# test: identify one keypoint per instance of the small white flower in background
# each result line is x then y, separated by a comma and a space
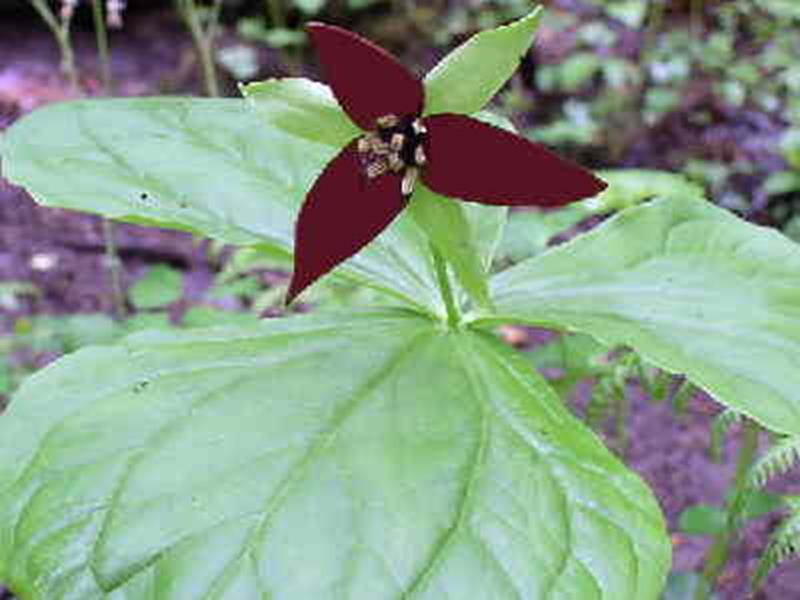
68, 9
114, 10
43, 261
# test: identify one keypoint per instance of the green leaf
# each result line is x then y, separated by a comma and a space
575, 357
80, 330
367, 456
528, 232
146, 321
782, 182
310, 7
6, 379
760, 503
207, 316
703, 519
207, 166
691, 287
467, 78
630, 12
629, 187
254, 29
303, 108
160, 286
578, 70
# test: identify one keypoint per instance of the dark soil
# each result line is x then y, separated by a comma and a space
152, 55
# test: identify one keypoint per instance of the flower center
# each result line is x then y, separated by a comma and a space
395, 146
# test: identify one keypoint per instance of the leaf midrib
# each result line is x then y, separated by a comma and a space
297, 471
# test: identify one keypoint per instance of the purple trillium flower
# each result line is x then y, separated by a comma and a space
363, 189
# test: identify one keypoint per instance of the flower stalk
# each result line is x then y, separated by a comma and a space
440, 266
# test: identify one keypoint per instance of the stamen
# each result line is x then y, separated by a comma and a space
397, 142
394, 147
379, 147
376, 169
419, 156
409, 179
396, 163
387, 121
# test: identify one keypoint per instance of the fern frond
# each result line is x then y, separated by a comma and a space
719, 429
781, 457
783, 544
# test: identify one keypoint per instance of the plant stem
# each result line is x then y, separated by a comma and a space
717, 555
61, 32
101, 35
203, 40
277, 19
696, 24
440, 266
109, 240
114, 272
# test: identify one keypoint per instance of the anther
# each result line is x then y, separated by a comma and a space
409, 179
419, 156
378, 146
397, 141
387, 121
396, 163
376, 169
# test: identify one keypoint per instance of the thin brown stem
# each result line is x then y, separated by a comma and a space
61, 33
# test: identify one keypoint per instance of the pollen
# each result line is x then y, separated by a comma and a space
395, 146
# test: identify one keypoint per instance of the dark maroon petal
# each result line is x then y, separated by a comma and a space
474, 161
342, 213
368, 81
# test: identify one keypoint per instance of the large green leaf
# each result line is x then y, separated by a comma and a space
688, 285
467, 78
208, 166
367, 456
628, 187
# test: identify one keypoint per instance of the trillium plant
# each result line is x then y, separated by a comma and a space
369, 182
395, 448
